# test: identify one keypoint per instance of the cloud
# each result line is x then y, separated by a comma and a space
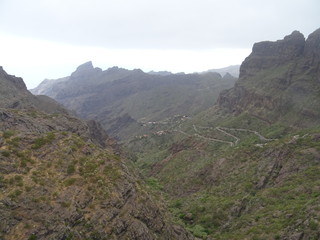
174, 24
49, 38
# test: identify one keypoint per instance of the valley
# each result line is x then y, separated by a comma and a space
187, 156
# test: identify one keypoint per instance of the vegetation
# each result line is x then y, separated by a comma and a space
7, 133
41, 141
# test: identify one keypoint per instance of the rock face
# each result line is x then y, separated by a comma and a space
279, 80
61, 179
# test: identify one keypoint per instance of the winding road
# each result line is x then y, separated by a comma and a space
224, 130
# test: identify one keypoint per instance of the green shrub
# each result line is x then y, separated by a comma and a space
41, 141
314, 225
5, 153
70, 181
111, 172
71, 169
65, 204
154, 183
15, 193
8, 133
14, 141
177, 204
38, 143
32, 237
198, 231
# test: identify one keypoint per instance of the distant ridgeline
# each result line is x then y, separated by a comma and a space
120, 99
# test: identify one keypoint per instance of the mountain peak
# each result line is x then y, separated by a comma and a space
269, 54
16, 81
85, 69
312, 49
291, 46
85, 66
294, 36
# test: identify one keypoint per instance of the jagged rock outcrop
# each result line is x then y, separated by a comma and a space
279, 80
61, 179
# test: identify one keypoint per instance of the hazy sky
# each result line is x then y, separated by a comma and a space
50, 38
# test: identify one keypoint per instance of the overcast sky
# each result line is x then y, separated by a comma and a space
50, 38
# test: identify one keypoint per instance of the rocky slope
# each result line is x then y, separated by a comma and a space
116, 95
61, 179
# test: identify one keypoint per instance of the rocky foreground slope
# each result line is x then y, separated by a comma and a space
61, 179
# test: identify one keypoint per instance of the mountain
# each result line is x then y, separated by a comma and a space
248, 167
121, 99
279, 82
63, 178
14, 94
245, 166
233, 70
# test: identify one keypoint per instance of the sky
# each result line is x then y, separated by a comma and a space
49, 38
